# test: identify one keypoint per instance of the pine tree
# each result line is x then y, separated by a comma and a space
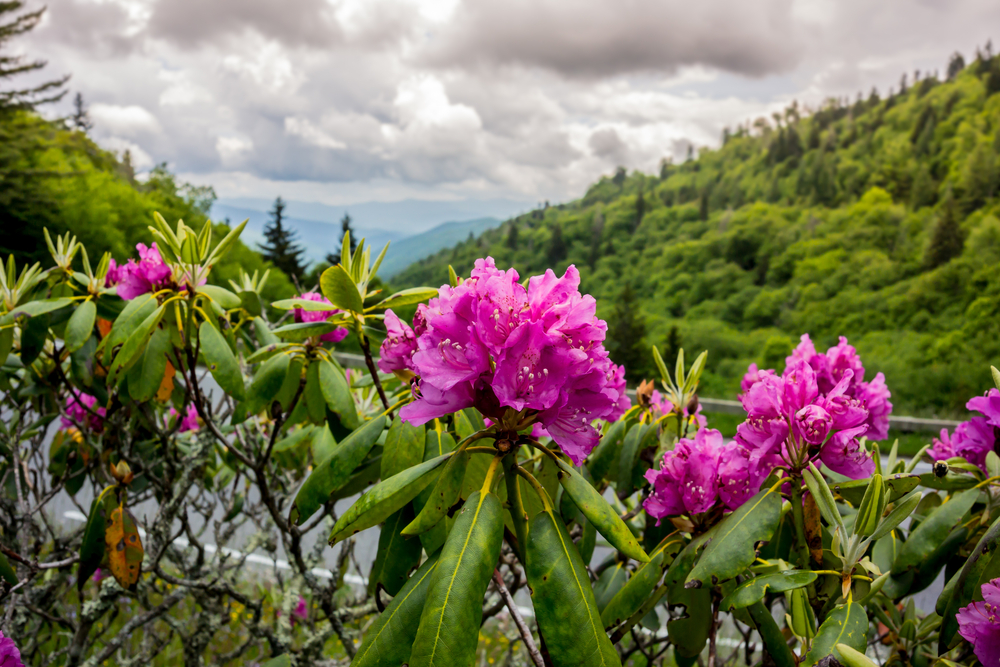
619, 177
280, 247
80, 120
626, 335
947, 239
11, 65
557, 246
333, 258
640, 209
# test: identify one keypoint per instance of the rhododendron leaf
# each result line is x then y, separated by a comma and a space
693, 376
406, 297
268, 351
80, 326
599, 512
932, 531
396, 555
642, 584
331, 474
333, 384
603, 461
267, 383
281, 661
133, 347
899, 513
931, 566
847, 624
123, 547
390, 638
689, 629
221, 361
7, 573
92, 548
250, 302
340, 289
754, 590
774, 641
403, 449
820, 491
964, 586
952, 481
638, 437
220, 295
443, 495
898, 486
35, 308
315, 402
561, 595
290, 384
852, 657
304, 304
449, 625
732, 549
303, 330
263, 331
609, 583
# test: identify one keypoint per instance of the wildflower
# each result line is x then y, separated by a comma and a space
686, 482
190, 420
149, 274
974, 438
114, 275
301, 611
989, 405
521, 356
301, 315
9, 655
979, 625
80, 410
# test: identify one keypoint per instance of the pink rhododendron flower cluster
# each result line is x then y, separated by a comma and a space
688, 479
335, 336
115, 274
190, 420
83, 412
9, 655
979, 624
149, 274
972, 439
520, 356
659, 405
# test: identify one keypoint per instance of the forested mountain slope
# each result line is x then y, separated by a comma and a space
875, 219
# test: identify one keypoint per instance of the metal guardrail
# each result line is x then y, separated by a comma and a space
728, 407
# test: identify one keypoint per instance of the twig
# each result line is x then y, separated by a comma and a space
367, 349
522, 627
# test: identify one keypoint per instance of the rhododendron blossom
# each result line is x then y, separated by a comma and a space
80, 411
149, 274
190, 420
521, 356
659, 405
301, 315
687, 481
974, 438
979, 624
9, 655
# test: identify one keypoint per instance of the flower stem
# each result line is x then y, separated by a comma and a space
798, 518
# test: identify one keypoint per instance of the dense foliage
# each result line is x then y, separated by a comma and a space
877, 217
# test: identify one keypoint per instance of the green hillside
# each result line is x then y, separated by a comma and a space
875, 219
56, 177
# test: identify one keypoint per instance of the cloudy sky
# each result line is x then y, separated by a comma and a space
340, 101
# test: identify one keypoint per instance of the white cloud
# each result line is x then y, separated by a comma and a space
128, 120
302, 127
232, 150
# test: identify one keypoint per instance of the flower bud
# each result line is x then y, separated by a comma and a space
803, 620
871, 509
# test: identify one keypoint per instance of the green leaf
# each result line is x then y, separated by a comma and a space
754, 590
847, 624
302, 330
220, 295
396, 555
333, 384
899, 513
634, 441
689, 633
267, 383
340, 289
774, 642
821, 493
35, 308
404, 447
603, 461
443, 496
264, 335
926, 537
303, 304
731, 550
449, 625
953, 481
134, 346
268, 351
853, 658
7, 573
383, 499
281, 661
151, 368
609, 584
642, 584
290, 388
92, 549
315, 401
564, 603
406, 297
80, 326
965, 586
133, 314
331, 474
221, 361
250, 302
899, 485
599, 512
389, 640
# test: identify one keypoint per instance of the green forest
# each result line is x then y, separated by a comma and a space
876, 219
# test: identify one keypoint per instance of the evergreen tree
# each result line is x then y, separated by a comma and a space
947, 239
924, 191
619, 177
280, 247
512, 235
557, 246
703, 205
13, 25
333, 258
640, 209
626, 335
80, 120
597, 233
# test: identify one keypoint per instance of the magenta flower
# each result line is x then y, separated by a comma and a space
812, 423
742, 471
114, 275
753, 376
974, 438
661, 406
83, 412
301, 611
398, 347
978, 624
844, 454
522, 357
989, 405
9, 655
686, 482
149, 274
189, 421
335, 336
